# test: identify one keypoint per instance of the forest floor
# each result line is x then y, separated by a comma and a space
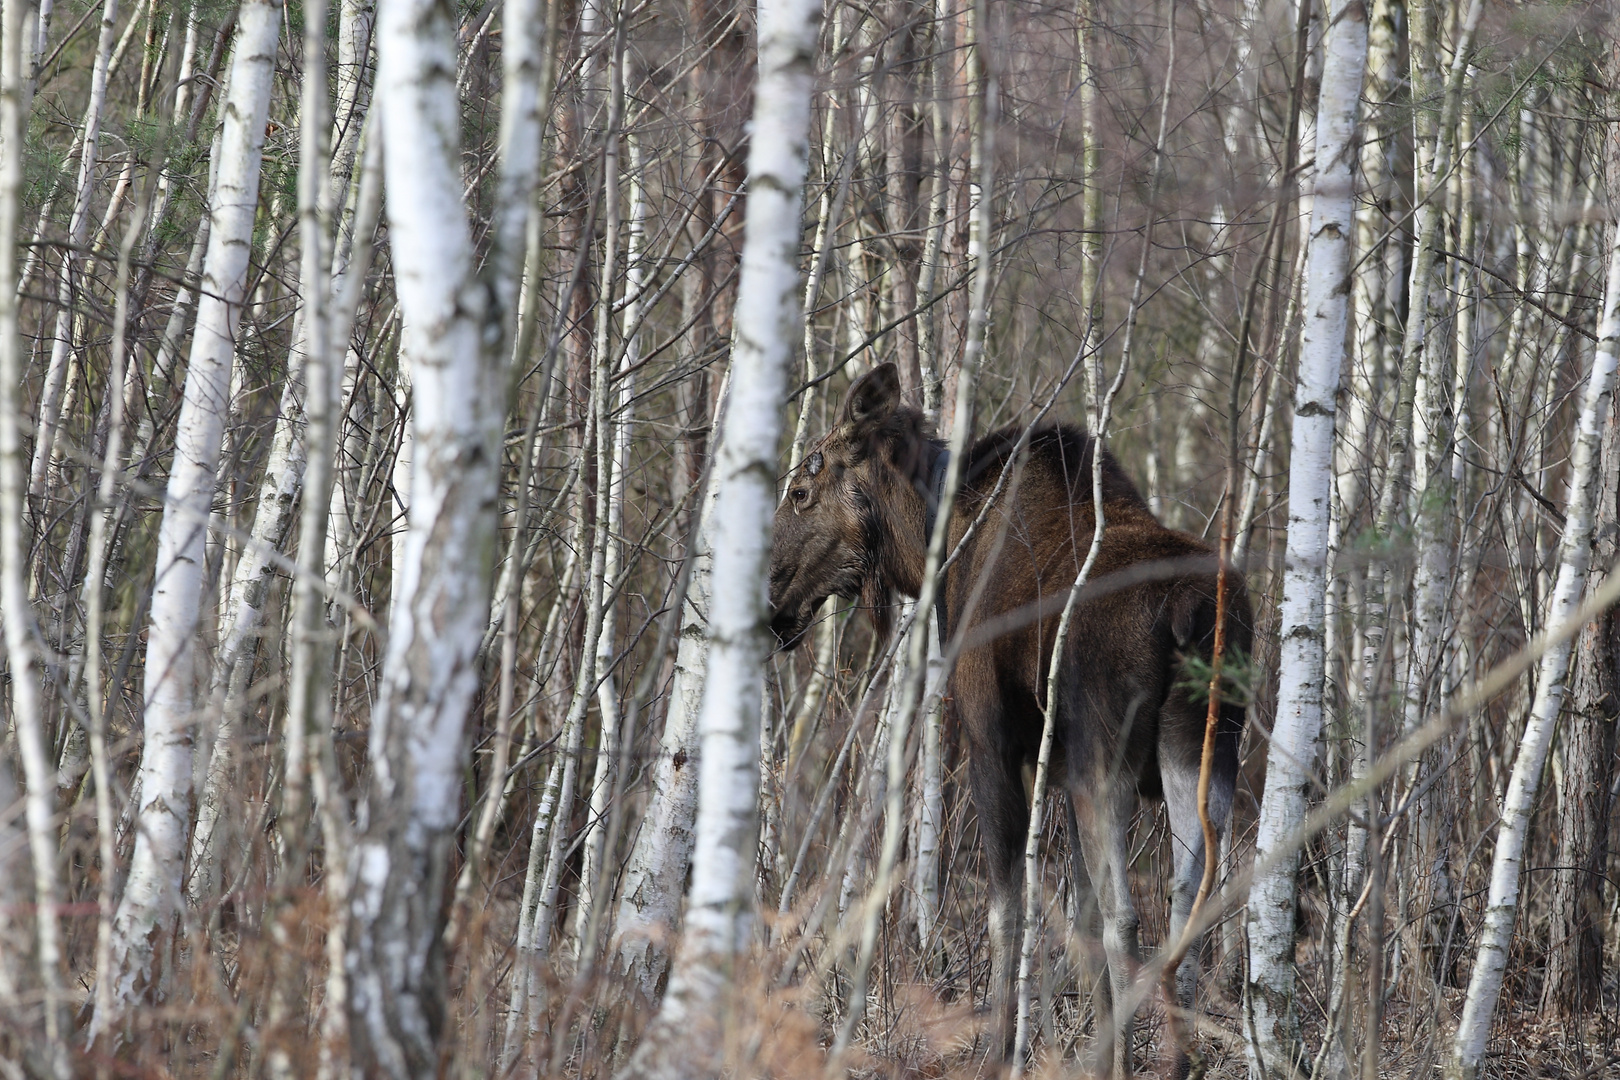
930, 1038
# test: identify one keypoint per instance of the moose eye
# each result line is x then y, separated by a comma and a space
800, 496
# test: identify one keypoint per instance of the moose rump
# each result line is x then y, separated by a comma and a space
1130, 718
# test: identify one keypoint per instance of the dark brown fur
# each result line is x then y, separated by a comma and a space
1126, 725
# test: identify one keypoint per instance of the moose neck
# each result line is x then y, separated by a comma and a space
909, 522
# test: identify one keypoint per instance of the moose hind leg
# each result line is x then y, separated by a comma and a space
1104, 811
1187, 843
998, 795
1091, 969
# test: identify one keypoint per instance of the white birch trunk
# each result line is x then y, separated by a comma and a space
242, 613
165, 769
524, 974
1575, 552
309, 689
535, 911
597, 840
655, 875
940, 76
441, 594
399, 473
42, 30
50, 402
357, 18
1273, 1025
92, 595
605, 553
22, 660
104, 530
13, 895
243, 621
457, 335
682, 1039
348, 287
828, 210
174, 329
526, 84
1431, 416
930, 800
536, 944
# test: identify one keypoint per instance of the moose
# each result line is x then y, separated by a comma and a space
1130, 723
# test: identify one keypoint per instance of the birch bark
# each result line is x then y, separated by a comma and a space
537, 942
23, 667
326, 783
1586, 753
283, 482
526, 60
93, 598
939, 71
356, 20
457, 334
1425, 354
598, 844
1432, 417
1575, 968
50, 402
682, 1038
437, 617
1374, 275
165, 770
309, 701
537, 910
13, 895
655, 876
1575, 552
605, 552
1273, 1026
930, 826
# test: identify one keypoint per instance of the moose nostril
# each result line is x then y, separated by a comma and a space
788, 627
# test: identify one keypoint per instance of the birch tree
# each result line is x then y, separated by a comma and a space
50, 404
457, 334
609, 493
718, 910
1574, 556
655, 874
1274, 1026
24, 669
165, 770
1586, 748
283, 480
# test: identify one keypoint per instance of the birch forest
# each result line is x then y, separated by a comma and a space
400, 401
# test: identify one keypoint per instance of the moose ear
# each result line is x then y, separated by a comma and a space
873, 396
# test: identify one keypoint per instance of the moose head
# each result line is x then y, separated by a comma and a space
852, 521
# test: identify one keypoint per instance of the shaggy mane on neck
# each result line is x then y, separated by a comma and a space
1063, 449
